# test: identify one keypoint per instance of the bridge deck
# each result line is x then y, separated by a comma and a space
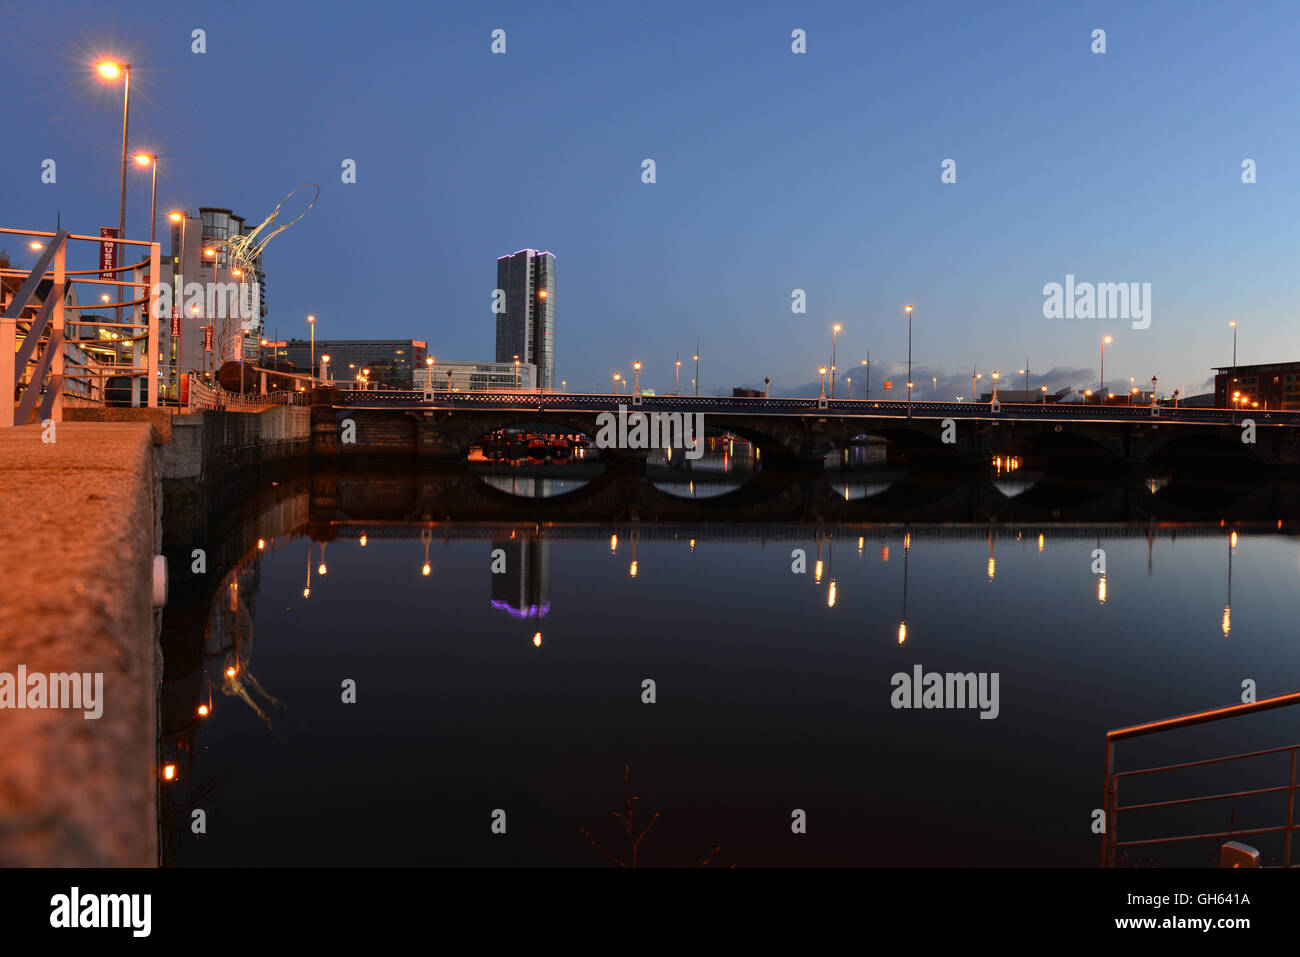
840, 408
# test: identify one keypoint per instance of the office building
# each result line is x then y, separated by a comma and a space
526, 322
234, 305
1274, 385
478, 376
391, 362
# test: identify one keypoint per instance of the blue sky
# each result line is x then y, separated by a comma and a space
775, 171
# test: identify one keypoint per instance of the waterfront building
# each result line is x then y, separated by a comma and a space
1273, 385
391, 362
526, 322
478, 376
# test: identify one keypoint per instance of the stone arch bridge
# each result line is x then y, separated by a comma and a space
801, 432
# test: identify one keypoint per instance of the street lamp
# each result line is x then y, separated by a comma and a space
150, 159
636, 368
677, 383
696, 380
324, 369
1234, 355
617, 387
516, 372
974, 389
1101, 389
823, 375
995, 386
935, 380
111, 70
909, 360
835, 339
311, 322
866, 393
1044, 391
428, 361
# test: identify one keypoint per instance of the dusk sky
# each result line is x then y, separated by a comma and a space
775, 172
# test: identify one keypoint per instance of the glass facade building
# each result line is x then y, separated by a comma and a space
479, 376
391, 361
526, 324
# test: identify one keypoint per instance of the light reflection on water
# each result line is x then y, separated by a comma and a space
522, 688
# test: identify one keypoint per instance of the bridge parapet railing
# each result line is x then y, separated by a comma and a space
206, 397
866, 408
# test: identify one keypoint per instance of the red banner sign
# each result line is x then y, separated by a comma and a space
176, 325
207, 338
107, 252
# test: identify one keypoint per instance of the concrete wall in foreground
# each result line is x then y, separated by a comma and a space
85, 515
76, 550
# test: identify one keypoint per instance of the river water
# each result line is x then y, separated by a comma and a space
500, 630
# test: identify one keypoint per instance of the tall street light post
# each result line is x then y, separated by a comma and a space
677, 383
835, 341
909, 360
822, 371
636, 368
311, 322
178, 305
1234, 356
1101, 390
111, 71
696, 380
149, 159
867, 362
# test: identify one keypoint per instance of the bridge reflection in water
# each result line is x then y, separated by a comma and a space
521, 688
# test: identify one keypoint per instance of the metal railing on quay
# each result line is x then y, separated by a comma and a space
1110, 840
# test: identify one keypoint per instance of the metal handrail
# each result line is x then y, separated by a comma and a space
1112, 808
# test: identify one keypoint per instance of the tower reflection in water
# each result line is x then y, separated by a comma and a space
522, 588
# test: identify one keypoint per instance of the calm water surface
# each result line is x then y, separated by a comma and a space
522, 691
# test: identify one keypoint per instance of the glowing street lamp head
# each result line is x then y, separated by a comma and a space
636, 366
311, 318
822, 370
907, 309
174, 216
837, 327
1233, 323
209, 253
1106, 341
35, 245
143, 159
108, 70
